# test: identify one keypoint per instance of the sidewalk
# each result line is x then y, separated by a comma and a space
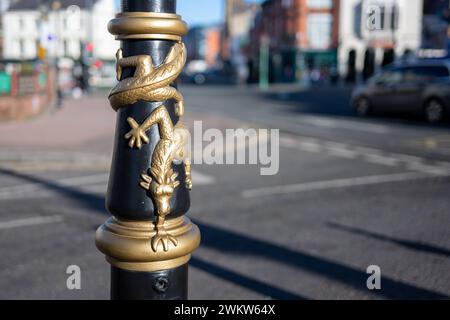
78, 136
77, 123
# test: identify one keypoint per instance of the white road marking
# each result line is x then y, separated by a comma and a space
200, 179
29, 222
420, 167
381, 159
340, 150
40, 156
310, 145
345, 124
444, 164
366, 150
407, 158
37, 190
235, 145
288, 142
332, 184
370, 155
54, 161
84, 180
93, 183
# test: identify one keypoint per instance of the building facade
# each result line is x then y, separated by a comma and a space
204, 43
236, 49
302, 36
373, 33
4, 5
63, 28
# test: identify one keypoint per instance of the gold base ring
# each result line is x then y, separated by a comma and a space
127, 244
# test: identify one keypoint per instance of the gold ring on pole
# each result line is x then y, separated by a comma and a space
148, 25
126, 244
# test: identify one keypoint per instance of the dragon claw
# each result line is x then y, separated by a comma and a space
165, 239
189, 184
146, 180
136, 135
174, 176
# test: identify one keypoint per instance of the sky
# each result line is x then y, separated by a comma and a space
196, 12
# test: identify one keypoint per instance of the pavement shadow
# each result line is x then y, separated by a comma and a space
235, 243
231, 242
86, 200
332, 101
335, 102
97, 204
244, 281
413, 245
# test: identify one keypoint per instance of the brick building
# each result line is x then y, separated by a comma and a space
204, 43
303, 35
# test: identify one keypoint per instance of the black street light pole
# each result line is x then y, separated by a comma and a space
148, 240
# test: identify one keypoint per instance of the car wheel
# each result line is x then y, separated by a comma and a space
434, 111
362, 107
199, 79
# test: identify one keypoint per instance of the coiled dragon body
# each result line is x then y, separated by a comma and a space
153, 84
149, 83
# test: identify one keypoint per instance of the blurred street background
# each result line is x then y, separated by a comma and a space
359, 89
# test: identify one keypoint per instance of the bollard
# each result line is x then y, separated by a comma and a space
148, 240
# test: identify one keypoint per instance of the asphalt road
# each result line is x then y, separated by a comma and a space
350, 193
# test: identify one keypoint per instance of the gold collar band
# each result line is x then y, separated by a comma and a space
148, 25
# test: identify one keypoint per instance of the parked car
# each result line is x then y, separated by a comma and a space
421, 88
209, 77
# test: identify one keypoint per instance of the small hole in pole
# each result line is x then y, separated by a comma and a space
161, 284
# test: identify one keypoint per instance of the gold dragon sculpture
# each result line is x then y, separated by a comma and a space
150, 83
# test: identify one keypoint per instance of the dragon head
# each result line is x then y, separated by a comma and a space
162, 195
162, 187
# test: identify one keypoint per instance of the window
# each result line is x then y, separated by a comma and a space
22, 47
21, 23
287, 3
391, 76
66, 48
425, 73
320, 4
434, 71
319, 30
